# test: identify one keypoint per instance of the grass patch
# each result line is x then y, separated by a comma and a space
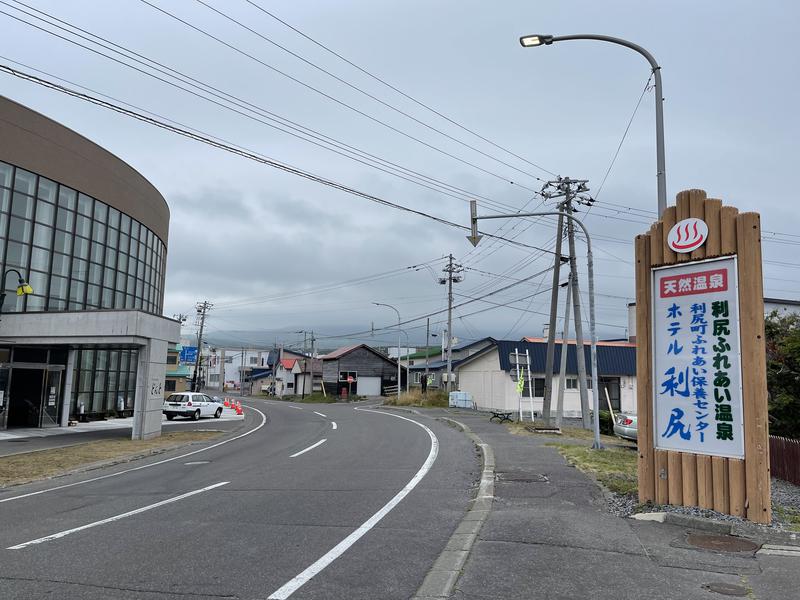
315, 398
790, 516
615, 469
415, 398
571, 433
31, 466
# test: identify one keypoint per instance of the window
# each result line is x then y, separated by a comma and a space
417, 377
253, 360
172, 359
347, 376
169, 385
213, 378
572, 383
289, 385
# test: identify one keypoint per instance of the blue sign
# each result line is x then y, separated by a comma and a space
189, 354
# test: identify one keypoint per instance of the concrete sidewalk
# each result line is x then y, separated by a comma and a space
549, 535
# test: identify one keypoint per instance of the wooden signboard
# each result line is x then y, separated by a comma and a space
700, 360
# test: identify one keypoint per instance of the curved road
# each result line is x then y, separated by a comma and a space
272, 512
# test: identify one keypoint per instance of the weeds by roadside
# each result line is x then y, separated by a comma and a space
614, 468
415, 398
30, 466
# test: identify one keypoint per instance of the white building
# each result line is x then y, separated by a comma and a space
490, 376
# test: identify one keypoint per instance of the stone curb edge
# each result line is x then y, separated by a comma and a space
443, 575
721, 527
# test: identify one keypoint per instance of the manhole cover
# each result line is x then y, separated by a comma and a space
197, 462
720, 543
726, 589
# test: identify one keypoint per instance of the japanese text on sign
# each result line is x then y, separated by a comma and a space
696, 367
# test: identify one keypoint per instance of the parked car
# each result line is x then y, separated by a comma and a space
625, 426
193, 405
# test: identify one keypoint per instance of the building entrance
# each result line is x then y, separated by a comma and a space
25, 397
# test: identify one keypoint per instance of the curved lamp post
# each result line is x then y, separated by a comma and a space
23, 287
532, 41
399, 380
590, 273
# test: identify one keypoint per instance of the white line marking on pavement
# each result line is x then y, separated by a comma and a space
297, 582
296, 407
62, 534
333, 424
320, 414
147, 466
311, 447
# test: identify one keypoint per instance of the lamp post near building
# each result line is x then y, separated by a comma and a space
23, 287
399, 379
532, 41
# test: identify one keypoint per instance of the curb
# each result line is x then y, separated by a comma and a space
443, 575
753, 531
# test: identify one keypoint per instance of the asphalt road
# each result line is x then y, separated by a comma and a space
260, 516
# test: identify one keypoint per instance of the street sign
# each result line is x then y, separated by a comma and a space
474, 238
189, 354
687, 235
697, 375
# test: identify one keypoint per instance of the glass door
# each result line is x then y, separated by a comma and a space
5, 375
51, 397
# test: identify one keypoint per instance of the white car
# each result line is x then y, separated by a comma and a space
193, 405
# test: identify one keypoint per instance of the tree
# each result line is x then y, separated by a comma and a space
783, 373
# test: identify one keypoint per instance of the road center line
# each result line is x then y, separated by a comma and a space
333, 424
147, 466
297, 582
311, 447
67, 532
320, 414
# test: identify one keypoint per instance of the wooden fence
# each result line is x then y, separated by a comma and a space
785, 458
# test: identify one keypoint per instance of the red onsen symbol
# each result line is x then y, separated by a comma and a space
688, 235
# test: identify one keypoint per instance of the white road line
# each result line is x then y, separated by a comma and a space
296, 407
333, 424
62, 534
147, 466
320, 414
297, 582
311, 447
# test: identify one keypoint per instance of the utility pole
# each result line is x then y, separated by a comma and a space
241, 376
562, 376
427, 342
551, 330
452, 269
313, 339
202, 309
568, 189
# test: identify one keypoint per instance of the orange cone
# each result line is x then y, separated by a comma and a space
227, 403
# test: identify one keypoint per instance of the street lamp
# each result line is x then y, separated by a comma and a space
532, 41
23, 287
399, 379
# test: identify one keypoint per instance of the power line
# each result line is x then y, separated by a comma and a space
283, 125
332, 98
243, 153
361, 91
392, 87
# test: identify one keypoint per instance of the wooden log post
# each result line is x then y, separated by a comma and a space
644, 402
754, 369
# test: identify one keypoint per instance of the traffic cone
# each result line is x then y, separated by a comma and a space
227, 403
239, 409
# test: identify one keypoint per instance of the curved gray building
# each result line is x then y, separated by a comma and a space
89, 233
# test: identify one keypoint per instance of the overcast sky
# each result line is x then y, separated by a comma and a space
252, 239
